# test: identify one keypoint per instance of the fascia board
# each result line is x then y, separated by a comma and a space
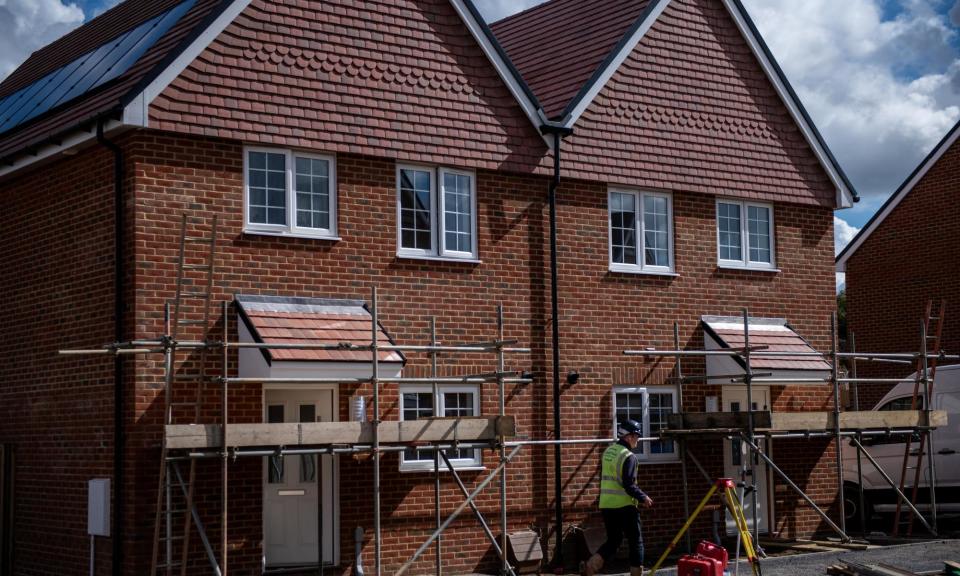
501, 63
912, 180
136, 111
69, 141
846, 195
599, 80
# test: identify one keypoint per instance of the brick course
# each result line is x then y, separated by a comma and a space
370, 91
906, 261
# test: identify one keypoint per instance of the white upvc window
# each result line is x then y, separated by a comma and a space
745, 235
436, 213
640, 231
289, 192
453, 400
650, 406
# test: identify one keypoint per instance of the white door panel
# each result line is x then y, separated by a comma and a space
734, 455
293, 485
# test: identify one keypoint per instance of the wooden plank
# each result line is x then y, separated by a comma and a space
803, 421
820, 421
346, 433
193, 436
707, 420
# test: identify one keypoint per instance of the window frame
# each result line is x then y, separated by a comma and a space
290, 227
745, 263
442, 213
438, 250
641, 267
644, 454
439, 411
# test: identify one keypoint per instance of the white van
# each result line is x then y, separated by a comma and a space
888, 452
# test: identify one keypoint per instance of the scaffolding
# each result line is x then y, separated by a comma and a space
225, 441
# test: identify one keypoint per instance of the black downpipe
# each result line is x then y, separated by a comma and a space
119, 307
558, 133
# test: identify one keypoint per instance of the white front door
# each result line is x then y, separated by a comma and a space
735, 456
298, 490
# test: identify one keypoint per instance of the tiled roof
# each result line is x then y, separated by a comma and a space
557, 46
111, 96
774, 333
278, 320
388, 78
691, 109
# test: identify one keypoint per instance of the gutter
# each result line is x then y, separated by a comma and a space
119, 307
558, 131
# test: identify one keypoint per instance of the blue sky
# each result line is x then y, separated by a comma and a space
881, 78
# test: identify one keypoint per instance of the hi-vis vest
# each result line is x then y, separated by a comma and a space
612, 493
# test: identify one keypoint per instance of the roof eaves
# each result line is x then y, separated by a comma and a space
137, 102
847, 194
894, 200
501, 62
603, 73
133, 105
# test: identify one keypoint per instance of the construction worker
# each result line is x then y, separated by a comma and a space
620, 499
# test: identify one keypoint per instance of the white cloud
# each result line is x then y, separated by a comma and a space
493, 10
28, 25
843, 233
883, 92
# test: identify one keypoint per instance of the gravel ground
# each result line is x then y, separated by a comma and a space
920, 557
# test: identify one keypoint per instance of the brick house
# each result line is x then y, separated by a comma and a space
404, 146
896, 264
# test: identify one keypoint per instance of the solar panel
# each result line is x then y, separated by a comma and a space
87, 72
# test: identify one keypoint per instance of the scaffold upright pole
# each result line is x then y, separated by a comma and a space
835, 376
375, 381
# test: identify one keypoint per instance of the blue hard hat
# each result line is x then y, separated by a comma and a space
628, 426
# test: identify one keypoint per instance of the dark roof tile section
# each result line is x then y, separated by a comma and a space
100, 30
313, 321
107, 98
775, 334
390, 78
557, 46
691, 109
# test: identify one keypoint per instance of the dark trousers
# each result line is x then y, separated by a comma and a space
622, 522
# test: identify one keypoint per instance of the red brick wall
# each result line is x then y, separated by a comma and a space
602, 314
692, 109
906, 261
57, 246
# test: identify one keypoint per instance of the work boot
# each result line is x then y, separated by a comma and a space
591, 566
636, 571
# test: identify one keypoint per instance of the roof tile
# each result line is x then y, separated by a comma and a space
276, 320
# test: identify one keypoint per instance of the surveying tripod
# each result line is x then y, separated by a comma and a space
729, 498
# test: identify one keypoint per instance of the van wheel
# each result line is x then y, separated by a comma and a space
851, 506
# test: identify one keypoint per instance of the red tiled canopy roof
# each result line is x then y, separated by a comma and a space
774, 333
557, 46
277, 320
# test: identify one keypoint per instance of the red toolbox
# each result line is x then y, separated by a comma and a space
710, 550
699, 566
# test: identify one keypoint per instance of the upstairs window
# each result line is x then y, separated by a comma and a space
745, 237
436, 212
289, 193
641, 232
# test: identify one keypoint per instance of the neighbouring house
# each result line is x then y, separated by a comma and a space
407, 146
901, 260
